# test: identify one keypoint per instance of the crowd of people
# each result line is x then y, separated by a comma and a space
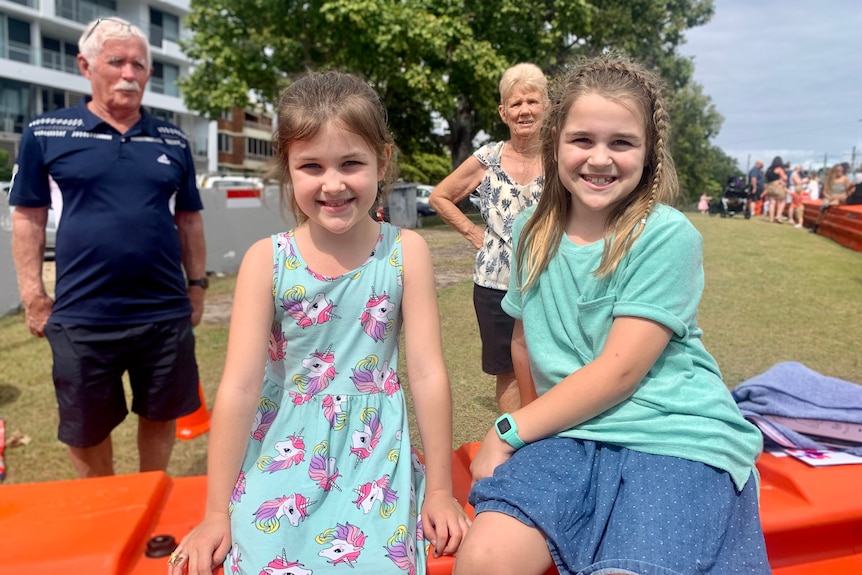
615, 427
780, 192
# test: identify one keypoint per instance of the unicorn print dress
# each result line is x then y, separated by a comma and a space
329, 482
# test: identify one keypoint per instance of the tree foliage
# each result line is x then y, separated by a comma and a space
440, 58
5, 166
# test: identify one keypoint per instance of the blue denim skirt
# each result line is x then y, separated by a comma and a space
607, 509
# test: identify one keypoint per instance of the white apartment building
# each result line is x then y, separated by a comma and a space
39, 72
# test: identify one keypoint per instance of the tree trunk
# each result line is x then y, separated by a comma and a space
461, 141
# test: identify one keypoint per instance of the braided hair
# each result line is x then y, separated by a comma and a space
623, 81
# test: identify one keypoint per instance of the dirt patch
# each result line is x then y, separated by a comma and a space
217, 309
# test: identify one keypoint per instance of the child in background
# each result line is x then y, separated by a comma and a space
310, 465
703, 204
796, 211
813, 186
634, 457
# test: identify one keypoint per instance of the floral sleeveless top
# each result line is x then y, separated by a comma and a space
501, 199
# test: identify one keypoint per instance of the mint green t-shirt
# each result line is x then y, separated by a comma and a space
682, 407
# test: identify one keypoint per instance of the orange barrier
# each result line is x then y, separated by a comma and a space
197, 423
812, 519
842, 224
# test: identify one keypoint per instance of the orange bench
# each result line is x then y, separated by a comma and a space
812, 519
842, 224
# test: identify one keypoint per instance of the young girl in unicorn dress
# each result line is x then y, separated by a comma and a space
310, 466
634, 457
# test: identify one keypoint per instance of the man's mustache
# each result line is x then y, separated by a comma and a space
127, 86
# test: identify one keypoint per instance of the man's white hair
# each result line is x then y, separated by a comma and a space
96, 32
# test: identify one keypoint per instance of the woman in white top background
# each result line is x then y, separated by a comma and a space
508, 178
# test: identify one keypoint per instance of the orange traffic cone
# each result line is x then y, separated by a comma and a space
194, 424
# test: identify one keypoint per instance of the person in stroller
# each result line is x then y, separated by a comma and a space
734, 199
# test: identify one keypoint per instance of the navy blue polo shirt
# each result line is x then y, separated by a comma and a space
118, 256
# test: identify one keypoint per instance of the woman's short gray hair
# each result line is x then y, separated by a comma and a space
96, 32
525, 76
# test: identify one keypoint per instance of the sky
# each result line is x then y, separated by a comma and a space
786, 76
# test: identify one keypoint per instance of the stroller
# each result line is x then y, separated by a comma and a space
734, 199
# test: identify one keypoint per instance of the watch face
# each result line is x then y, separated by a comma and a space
503, 426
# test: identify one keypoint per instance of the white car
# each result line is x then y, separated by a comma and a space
222, 182
50, 227
474, 199
423, 192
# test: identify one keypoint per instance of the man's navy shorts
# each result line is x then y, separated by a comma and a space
89, 363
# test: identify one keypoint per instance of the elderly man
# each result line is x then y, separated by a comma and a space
130, 224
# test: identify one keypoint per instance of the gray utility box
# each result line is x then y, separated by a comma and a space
10, 301
401, 204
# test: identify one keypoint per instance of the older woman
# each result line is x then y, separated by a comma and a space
508, 178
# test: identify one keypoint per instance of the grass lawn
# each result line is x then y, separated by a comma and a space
773, 293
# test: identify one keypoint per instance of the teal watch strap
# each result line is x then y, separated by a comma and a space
507, 430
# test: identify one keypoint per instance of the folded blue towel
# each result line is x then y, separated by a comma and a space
790, 389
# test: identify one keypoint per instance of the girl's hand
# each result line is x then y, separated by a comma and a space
444, 522
493, 452
204, 548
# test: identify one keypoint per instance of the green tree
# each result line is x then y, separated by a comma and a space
5, 166
694, 122
425, 168
441, 57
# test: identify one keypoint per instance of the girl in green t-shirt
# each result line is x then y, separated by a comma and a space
633, 458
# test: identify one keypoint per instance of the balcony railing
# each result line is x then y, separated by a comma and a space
20, 52
59, 61
159, 86
30, 3
82, 11
12, 124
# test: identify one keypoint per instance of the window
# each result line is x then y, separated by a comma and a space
258, 147
18, 44
163, 26
30, 3
165, 115
52, 99
171, 25
14, 105
70, 58
85, 11
164, 80
59, 55
225, 143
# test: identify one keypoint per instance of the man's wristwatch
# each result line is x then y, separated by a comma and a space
204, 283
507, 430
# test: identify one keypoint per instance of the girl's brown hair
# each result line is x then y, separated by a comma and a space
314, 101
629, 84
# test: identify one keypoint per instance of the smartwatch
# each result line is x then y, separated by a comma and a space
204, 283
507, 430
